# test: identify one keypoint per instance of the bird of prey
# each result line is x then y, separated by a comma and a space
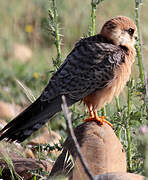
95, 71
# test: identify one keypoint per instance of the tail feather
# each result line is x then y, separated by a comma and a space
31, 119
27, 113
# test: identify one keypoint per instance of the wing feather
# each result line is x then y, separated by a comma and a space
89, 67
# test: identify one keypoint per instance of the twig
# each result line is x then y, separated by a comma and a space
67, 115
27, 91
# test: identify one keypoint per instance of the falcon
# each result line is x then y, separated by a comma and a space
95, 71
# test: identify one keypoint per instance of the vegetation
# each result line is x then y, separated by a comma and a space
38, 24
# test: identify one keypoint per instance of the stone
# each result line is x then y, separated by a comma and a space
8, 110
45, 137
101, 150
120, 176
22, 52
23, 167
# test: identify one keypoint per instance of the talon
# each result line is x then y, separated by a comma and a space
100, 119
105, 121
90, 119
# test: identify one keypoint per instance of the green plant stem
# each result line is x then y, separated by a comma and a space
57, 35
146, 159
128, 130
129, 147
103, 111
139, 42
118, 110
93, 18
117, 104
54, 30
94, 4
129, 100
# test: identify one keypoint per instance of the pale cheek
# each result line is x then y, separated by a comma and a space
116, 33
115, 36
125, 39
134, 41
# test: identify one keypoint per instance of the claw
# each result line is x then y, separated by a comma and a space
100, 119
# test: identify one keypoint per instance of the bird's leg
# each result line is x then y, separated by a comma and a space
91, 116
90, 112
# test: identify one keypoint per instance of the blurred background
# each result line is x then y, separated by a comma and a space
27, 47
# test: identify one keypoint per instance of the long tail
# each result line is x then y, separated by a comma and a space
31, 119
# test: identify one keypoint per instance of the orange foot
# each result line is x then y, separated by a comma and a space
100, 119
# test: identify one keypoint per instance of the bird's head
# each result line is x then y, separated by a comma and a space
121, 31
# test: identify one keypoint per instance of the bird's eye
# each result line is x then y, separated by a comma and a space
131, 31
